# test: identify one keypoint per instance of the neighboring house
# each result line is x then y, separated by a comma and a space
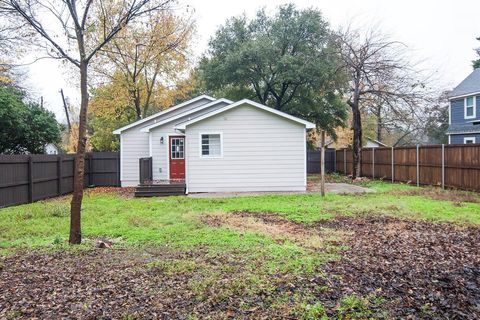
218, 145
51, 148
372, 143
464, 115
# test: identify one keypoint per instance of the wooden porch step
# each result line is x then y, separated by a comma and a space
160, 190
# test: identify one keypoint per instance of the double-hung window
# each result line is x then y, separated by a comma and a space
470, 110
211, 145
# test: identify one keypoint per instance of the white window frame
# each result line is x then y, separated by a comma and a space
200, 145
474, 98
170, 147
465, 139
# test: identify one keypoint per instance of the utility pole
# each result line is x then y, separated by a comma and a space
322, 163
66, 111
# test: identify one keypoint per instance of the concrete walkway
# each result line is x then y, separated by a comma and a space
329, 187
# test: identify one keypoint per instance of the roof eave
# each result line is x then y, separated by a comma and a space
131, 125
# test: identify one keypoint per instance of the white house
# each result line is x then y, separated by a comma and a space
372, 143
217, 145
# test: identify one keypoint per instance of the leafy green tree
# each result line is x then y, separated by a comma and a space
476, 63
25, 127
286, 61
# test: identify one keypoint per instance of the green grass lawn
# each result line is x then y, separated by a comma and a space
255, 253
176, 220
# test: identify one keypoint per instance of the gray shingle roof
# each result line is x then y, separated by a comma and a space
463, 128
471, 84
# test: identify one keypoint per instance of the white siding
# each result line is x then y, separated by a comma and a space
261, 152
136, 145
160, 161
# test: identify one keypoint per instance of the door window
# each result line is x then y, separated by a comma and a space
177, 148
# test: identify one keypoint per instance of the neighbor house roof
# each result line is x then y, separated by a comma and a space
470, 85
183, 114
184, 124
158, 114
458, 128
377, 142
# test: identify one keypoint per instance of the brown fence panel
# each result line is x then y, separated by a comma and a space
455, 166
28, 178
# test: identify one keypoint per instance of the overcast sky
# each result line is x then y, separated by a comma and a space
439, 33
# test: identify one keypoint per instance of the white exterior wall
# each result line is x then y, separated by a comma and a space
160, 152
135, 145
261, 152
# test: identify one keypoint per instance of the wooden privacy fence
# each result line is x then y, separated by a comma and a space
453, 166
314, 157
28, 178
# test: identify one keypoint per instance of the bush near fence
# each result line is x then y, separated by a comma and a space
451, 166
29, 178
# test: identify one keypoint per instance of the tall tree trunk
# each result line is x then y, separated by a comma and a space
357, 140
76, 204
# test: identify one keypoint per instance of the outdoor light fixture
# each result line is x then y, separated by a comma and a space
161, 140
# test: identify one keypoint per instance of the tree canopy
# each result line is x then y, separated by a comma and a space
476, 62
25, 127
286, 61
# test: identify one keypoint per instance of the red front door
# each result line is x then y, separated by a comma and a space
177, 157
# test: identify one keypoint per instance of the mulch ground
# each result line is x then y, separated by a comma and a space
422, 269
419, 269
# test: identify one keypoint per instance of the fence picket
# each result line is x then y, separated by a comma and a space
25, 179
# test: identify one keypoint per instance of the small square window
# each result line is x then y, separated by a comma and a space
211, 145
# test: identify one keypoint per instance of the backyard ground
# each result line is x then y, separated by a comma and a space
399, 252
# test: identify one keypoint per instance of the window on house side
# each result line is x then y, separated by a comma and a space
470, 107
211, 145
468, 140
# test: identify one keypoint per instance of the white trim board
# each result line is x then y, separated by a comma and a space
136, 123
200, 134
464, 95
181, 115
308, 124
474, 106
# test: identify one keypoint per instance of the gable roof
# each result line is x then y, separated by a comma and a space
470, 85
183, 125
178, 106
183, 114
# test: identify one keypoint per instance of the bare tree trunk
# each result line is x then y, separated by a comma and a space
66, 111
76, 204
357, 141
322, 164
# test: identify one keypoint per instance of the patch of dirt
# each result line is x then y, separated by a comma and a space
457, 196
127, 192
422, 269
273, 225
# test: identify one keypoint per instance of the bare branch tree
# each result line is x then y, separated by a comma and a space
73, 40
379, 77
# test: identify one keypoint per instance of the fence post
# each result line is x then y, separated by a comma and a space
335, 161
119, 183
30, 179
373, 163
90, 169
443, 166
345, 161
418, 167
393, 166
59, 175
